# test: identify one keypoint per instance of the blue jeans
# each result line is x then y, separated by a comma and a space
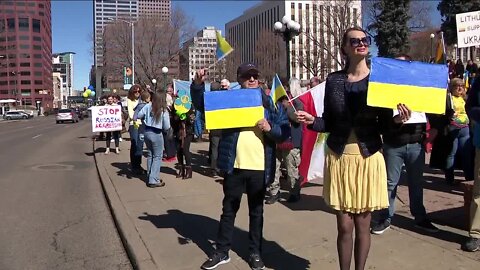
154, 142
198, 125
136, 148
413, 156
463, 145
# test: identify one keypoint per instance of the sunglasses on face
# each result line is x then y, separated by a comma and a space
248, 76
366, 41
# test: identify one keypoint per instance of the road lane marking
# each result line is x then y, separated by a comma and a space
36, 136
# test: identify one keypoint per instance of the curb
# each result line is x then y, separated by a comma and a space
137, 252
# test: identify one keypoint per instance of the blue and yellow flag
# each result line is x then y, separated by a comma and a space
440, 55
223, 48
233, 108
420, 86
278, 90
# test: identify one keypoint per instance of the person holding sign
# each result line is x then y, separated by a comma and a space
246, 157
355, 173
157, 120
115, 134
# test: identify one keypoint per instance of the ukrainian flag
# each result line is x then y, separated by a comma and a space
278, 90
233, 108
420, 86
223, 48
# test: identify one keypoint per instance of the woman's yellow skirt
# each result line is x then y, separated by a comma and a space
353, 183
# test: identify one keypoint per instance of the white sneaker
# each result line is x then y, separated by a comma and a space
117, 150
107, 151
112, 140
120, 140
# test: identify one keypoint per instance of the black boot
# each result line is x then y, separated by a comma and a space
181, 172
188, 172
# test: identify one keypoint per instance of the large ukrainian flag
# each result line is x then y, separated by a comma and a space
420, 86
233, 108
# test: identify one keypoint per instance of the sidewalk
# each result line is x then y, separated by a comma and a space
173, 227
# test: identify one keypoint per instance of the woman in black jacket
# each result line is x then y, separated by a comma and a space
355, 180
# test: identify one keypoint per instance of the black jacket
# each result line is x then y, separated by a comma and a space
339, 119
404, 134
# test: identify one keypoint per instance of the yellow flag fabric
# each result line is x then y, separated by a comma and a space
223, 48
278, 90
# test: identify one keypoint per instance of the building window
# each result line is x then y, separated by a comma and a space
41, 5
36, 26
11, 24
37, 65
37, 38
38, 82
24, 46
24, 73
20, 3
37, 73
37, 47
24, 37
25, 82
25, 64
2, 26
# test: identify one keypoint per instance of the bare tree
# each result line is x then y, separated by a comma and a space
157, 44
322, 53
270, 54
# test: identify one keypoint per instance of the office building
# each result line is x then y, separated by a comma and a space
107, 11
247, 32
63, 63
200, 52
59, 98
26, 53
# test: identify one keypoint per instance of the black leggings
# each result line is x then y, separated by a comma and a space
116, 137
184, 151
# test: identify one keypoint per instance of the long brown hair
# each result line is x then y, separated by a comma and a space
344, 43
159, 104
131, 92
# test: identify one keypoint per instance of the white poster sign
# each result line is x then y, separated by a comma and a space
468, 29
106, 118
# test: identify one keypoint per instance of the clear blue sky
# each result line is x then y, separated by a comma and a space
72, 26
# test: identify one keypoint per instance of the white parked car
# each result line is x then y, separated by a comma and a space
66, 115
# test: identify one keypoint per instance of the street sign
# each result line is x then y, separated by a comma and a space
468, 29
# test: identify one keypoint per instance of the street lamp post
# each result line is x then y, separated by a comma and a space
455, 56
288, 29
432, 36
154, 82
132, 25
165, 72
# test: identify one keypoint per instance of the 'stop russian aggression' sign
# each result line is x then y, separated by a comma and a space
106, 118
468, 29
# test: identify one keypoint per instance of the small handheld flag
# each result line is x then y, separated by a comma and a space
278, 90
223, 48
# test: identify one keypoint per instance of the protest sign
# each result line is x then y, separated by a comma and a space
468, 29
420, 86
106, 118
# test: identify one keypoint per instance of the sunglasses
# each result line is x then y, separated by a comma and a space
366, 41
248, 76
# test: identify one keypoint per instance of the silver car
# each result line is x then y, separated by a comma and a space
66, 115
12, 115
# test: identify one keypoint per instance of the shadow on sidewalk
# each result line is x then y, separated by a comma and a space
309, 203
409, 224
124, 170
201, 231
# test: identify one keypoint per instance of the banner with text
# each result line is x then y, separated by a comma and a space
106, 118
468, 29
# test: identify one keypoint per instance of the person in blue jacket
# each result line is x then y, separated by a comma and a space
246, 158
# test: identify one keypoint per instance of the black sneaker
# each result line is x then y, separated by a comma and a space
427, 226
472, 244
256, 262
216, 259
380, 227
272, 199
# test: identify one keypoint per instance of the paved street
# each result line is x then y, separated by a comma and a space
53, 210
174, 227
